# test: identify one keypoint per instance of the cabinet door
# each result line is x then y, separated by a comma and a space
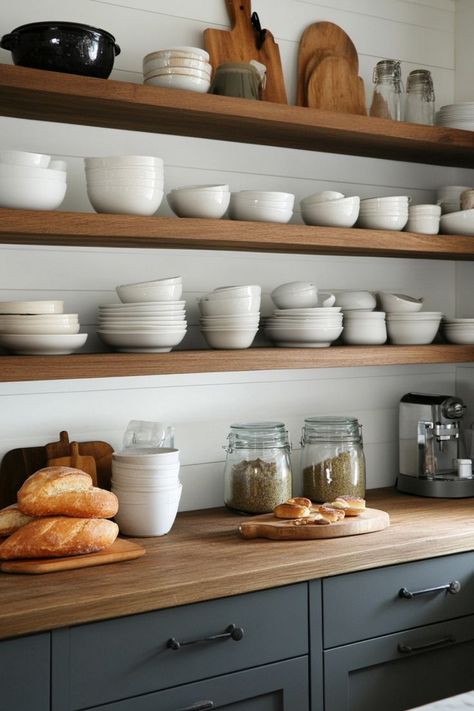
403, 670
275, 687
25, 673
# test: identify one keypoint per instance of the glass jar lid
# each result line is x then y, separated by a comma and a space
331, 429
253, 435
388, 69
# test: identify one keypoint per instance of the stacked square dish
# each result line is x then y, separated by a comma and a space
178, 68
150, 319
230, 316
31, 181
39, 328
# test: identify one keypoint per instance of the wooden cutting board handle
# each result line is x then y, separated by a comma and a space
239, 12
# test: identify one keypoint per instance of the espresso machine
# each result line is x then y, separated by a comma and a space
431, 446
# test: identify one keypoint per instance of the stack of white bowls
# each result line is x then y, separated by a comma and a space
261, 206
315, 327
146, 483
31, 181
150, 319
384, 213
207, 201
39, 328
413, 328
459, 330
448, 197
460, 115
330, 209
128, 185
424, 219
364, 328
178, 68
230, 316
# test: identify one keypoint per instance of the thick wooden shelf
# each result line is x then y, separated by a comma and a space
14, 368
66, 98
92, 230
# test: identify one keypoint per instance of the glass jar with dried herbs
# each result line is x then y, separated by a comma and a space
332, 457
257, 473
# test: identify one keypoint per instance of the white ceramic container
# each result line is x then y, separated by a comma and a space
31, 193
33, 160
404, 332
247, 211
125, 200
179, 81
458, 223
194, 202
148, 455
366, 328
142, 341
230, 338
180, 51
229, 307
43, 344
334, 213
295, 295
399, 303
149, 291
358, 300
124, 161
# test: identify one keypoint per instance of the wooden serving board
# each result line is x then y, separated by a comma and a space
120, 550
240, 45
333, 86
268, 526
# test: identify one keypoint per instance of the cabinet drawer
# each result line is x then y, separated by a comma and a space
130, 656
367, 604
25, 673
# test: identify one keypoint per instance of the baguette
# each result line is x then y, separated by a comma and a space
59, 536
65, 491
11, 519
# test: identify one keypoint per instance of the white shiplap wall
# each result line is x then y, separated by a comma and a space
421, 34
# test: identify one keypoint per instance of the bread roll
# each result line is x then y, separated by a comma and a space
301, 501
65, 491
11, 519
330, 514
353, 505
59, 536
289, 511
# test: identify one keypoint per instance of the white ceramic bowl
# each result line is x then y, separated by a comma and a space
399, 303
285, 200
382, 202
334, 213
142, 341
153, 515
31, 307
239, 210
148, 308
230, 307
31, 194
311, 333
148, 455
417, 316
23, 171
382, 221
324, 196
234, 291
193, 202
229, 338
459, 335
426, 225
32, 160
349, 300
203, 72
169, 52
180, 81
458, 223
152, 64
412, 332
358, 332
40, 328
124, 161
125, 200
149, 291
295, 295
42, 344
133, 173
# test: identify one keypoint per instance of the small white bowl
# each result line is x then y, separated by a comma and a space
412, 332
334, 213
230, 307
295, 295
33, 160
31, 194
148, 455
23, 171
324, 196
180, 81
349, 300
236, 290
142, 341
149, 291
31, 307
458, 223
42, 344
169, 52
124, 161
152, 64
125, 200
399, 303
382, 221
230, 338
203, 73
425, 224
193, 202
311, 333
239, 210
358, 332
285, 200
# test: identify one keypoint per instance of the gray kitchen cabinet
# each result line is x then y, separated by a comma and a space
25, 673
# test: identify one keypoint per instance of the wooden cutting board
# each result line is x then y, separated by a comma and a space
323, 38
120, 550
240, 45
334, 86
267, 526
77, 461
101, 451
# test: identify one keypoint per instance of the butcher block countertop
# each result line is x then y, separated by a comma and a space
204, 557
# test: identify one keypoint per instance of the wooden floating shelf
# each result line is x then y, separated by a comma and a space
92, 230
67, 98
14, 368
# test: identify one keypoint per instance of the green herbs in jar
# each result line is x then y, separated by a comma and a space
341, 475
257, 486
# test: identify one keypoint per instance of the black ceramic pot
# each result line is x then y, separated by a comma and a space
63, 47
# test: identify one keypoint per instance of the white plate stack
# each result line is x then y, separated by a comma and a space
459, 115
315, 327
146, 483
31, 181
39, 328
152, 318
230, 316
178, 68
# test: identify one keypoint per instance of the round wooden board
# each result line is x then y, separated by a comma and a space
267, 526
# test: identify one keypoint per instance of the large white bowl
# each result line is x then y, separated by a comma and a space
149, 291
32, 160
42, 344
399, 303
230, 307
194, 202
23, 171
383, 202
382, 222
125, 200
349, 300
295, 295
154, 515
334, 213
120, 175
180, 81
458, 223
284, 200
324, 196
239, 210
142, 341
230, 338
412, 332
31, 194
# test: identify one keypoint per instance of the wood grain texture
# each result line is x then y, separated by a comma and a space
93, 230
16, 368
267, 526
204, 557
333, 86
66, 98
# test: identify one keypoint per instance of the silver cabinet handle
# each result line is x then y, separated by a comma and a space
409, 649
453, 587
232, 632
199, 706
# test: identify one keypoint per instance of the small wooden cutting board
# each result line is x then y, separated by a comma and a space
268, 526
120, 550
333, 86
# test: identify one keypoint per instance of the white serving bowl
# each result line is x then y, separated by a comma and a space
126, 161
154, 515
231, 338
149, 291
141, 328
32, 160
358, 300
125, 200
230, 307
459, 335
308, 312
147, 473
234, 291
195, 52
180, 81
194, 202
334, 213
412, 332
142, 341
42, 344
324, 196
143, 318
382, 221
31, 194
460, 223
417, 316
295, 295
23, 171
399, 303
243, 210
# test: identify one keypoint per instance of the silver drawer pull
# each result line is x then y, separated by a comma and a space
199, 706
232, 632
408, 649
453, 587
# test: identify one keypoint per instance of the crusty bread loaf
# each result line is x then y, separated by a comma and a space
11, 519
290, 511
65, 491
59, 536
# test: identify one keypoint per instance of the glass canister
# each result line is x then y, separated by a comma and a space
257, 472
386, 101
420, 98
332, 457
